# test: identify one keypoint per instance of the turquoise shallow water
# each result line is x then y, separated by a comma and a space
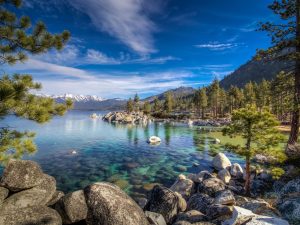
117, 153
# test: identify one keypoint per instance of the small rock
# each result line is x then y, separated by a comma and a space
155, 218
203, 175
211, 186
72, 207
216, 211
55, 198
3, 194
183, 186
237, 171
109, 205
221, 161
192, 216
181, 202
181, 168
142, 202
164, 201
224, 175
225, 197
33, 215
199, 202
21, 174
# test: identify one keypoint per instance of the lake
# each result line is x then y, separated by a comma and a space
119, 153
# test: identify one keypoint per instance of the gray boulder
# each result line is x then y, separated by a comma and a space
191, 216
199, 202
34, 215
72, 207
21, 174
3, 194
290, 209
38, 195
164, 201
245, 216
237, 171
109, 205
225, 197
220, 212
224, 175
221, 162
211, 186
183, 186
155, 218
203, 175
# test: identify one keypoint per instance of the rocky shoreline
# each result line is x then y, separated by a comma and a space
140, 118
29, 196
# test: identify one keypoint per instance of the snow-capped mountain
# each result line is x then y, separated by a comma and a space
89, 102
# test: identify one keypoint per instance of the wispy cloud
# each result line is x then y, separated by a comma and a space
125, 20
217, 46
111, 84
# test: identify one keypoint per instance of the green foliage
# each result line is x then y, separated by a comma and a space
130, 105
258, 127
201, 101
156, 105
15, 42
136, 102
169, 103
18, 39
277, 172
147, 108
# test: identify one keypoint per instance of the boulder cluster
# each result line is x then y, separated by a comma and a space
126, 118
29, 196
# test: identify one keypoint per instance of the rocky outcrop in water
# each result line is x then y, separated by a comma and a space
126, 117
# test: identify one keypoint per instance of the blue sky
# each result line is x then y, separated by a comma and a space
122, 47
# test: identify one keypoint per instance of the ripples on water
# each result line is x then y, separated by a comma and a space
118, 153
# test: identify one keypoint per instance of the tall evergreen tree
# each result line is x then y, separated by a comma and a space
17, 40
129, 106
156, 105
214, 93
249, 93
286, 46
147, 108
169, 102
136, 102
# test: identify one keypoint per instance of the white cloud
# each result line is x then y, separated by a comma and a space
113, 84
125, 20
216, 46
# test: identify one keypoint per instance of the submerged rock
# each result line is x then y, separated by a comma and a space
38, 195
221, 161
34, 215
21, 174
72, 207
109, 205
164, 201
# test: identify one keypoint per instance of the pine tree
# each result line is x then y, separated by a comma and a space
15, 91
147, 108
286, 46
249, 93
136, 102
156, 105
214, 93
129, 106
262, 94
259, 130
169, 102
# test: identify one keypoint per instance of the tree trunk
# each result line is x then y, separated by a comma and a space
248, 175
296, 113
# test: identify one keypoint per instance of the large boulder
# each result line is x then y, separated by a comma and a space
3, 194
198, 178
237, 171
164, 201
38, 195
217, 211
211, 186
21, 174
192, 216
109, 205
72, 207
224, 175
183, 186
245, 216
199, 202
221, 161
34, 215
155, 218
225, 197
290, 189
55, 198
